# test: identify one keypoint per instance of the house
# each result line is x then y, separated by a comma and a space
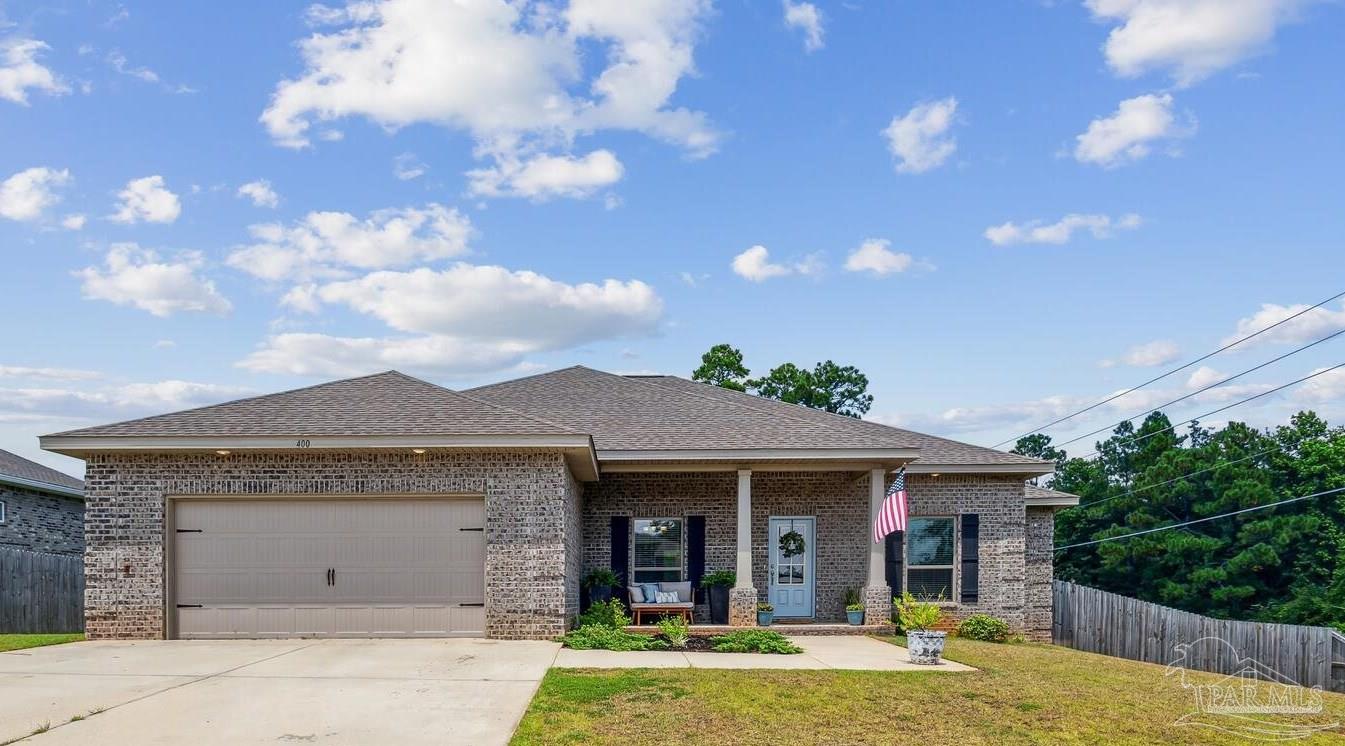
388, 506
41, 509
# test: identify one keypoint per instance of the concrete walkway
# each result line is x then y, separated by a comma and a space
847, 652
271, 691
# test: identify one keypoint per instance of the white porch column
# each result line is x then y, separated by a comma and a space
744, 566
743, 597
877, 491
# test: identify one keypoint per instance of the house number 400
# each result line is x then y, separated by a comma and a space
304, 443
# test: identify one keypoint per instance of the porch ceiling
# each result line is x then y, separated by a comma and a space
761, 459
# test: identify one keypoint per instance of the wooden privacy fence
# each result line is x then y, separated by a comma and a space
40, 592
1100, 622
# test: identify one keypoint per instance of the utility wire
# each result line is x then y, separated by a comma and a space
1155, 379
1200, 520
1174, 479
1203, 390
1197, 418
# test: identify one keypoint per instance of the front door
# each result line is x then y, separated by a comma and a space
791, 566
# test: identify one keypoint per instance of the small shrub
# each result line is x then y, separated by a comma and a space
754, 641
676, 629
719, 577
853, 601
765, 607
601, 637
984, 627
916, 616
611, 614
601, 578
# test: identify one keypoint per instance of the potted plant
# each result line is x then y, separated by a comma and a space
923, 642
717, 585
599, 584
765, 613
854, 607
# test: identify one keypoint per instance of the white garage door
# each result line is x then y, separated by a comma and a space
329, 568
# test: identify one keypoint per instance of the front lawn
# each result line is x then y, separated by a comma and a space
1021, 694
19, 642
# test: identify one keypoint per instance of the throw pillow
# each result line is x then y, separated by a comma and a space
667, 598
650, 591
636, 594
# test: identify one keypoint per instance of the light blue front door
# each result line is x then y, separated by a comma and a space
791, 565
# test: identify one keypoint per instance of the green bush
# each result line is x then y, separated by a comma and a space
611, 614
916, 616
676, 629
984, 627
601, 578
601, 637
754, 641
719, 577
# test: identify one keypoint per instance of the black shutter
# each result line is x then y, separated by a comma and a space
621, 549
696, 554
894, 542
971, 558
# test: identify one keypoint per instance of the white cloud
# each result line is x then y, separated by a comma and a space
407, 167
1131, 131
138, 277
807, 18
1149, 354
463, 320
1061, 231
74, 222
400, 62
873, 255
119, 63
543, 176
1190, 38
20, 71
1327, 388
329, 243
114, 401
53, 374
919, 139
1204, 376
754, 264
26, 194
1313, 325
260, 192
147, 199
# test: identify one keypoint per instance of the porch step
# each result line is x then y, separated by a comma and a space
709, 630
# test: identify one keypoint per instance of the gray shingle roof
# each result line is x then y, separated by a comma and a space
388, 403
13, 465
1032, 491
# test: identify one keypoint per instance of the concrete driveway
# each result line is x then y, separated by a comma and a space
270, 691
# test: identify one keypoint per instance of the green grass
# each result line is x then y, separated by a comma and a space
1022, 694
19, 642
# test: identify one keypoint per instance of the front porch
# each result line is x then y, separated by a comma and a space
651, 524
788, 629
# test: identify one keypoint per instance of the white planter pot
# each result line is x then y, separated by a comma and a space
925, 647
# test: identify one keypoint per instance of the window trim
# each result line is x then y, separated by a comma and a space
956, 573
681, 549
4, 512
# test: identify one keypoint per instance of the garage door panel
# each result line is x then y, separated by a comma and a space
259, 568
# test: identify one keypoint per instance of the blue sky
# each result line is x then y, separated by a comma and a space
998, 211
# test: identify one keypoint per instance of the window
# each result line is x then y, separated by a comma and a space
658, 550
930, 545
2, 511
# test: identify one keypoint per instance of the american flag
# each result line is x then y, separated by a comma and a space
892, 516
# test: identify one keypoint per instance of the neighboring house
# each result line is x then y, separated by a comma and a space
40, 508
388, 506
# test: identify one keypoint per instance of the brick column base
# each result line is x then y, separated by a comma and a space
743, 607
878, 605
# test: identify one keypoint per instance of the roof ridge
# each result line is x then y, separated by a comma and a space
500, 407
528, 377
846, 418
243, 399
717, 401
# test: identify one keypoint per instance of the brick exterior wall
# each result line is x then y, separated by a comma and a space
840, 501
1040, 572
41, 521
531, 507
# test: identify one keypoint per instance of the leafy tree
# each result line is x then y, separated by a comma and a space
1039, 446
828, 386
722, 366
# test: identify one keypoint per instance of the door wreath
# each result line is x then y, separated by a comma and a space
791, 544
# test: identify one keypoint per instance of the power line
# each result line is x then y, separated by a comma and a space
1197, 418
1155, 379
1200, 520
1174, 479
1203, 390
